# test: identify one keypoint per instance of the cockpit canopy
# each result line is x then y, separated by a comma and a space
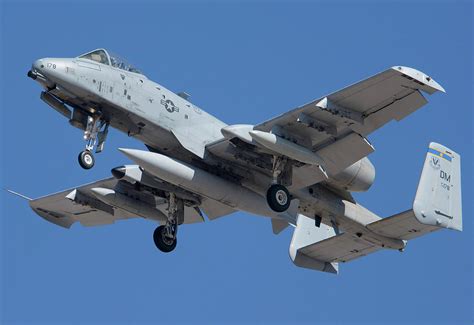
102, 56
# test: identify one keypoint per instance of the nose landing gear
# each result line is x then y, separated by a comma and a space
86, 159
95, 134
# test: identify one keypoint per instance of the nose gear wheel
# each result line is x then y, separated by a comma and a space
86, 159
95, 134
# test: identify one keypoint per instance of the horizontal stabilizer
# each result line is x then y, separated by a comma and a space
437, 202
402, 226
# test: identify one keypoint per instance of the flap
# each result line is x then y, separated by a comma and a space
345, 152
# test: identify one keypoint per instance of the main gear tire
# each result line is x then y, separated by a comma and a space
278, 198
163, 242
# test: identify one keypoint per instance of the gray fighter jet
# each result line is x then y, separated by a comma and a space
297, 169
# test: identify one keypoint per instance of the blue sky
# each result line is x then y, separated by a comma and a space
243, 62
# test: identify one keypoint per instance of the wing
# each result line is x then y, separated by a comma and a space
335, 127
79, 204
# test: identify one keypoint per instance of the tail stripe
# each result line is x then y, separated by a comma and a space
437, 153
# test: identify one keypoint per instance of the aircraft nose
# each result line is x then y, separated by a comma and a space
52, 69
36, 69
38, 65
46, 71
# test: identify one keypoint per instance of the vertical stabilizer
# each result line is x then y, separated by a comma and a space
438, 197
306, 234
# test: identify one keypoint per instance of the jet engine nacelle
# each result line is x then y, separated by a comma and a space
357, 177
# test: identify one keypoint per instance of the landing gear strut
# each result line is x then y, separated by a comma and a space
278, 196
165, 237
95, 134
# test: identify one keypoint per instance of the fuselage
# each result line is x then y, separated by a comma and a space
130, 102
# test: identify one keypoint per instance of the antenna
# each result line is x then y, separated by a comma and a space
18, 194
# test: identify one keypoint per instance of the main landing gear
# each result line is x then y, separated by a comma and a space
165, 236
278, 196
95, 134
164, 241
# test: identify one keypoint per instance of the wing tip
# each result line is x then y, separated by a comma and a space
421, 77
64, 222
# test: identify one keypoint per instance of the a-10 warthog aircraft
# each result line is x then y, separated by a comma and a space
296, 169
